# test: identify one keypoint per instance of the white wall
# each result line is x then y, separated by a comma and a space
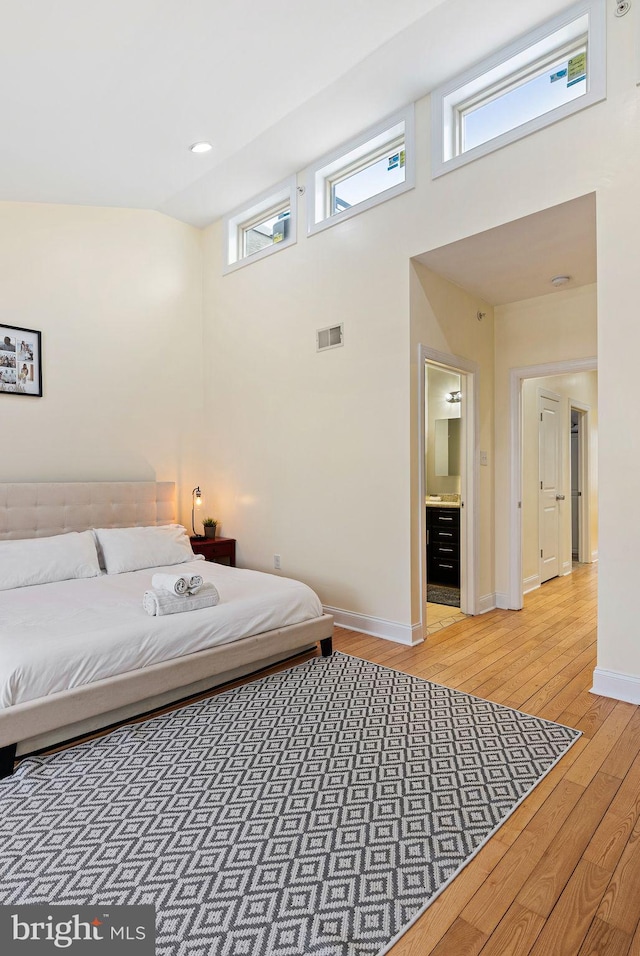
310, 450
117, 296
314, 456
581, 387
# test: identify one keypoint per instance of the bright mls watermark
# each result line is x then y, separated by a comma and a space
35, 930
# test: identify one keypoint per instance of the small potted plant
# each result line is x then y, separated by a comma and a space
210, 525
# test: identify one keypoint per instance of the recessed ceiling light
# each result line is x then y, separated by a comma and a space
201, 147
560, 280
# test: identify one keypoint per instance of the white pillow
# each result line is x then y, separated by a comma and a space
131, 549
61, 557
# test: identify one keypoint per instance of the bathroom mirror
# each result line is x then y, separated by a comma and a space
447, 446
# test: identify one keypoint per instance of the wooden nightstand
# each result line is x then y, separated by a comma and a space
215, 548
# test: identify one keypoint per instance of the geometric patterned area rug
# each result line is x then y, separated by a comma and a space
318, 810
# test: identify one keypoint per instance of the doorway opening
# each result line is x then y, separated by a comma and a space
581, 482
503, 275
546, 463
447, 488
576, 489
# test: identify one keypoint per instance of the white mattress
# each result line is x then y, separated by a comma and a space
57, 636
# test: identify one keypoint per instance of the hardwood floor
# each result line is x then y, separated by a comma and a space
562, 876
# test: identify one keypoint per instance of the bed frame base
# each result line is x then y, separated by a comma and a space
46, 722
8, 754
7, 760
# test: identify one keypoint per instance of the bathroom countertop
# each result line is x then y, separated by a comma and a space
430, 503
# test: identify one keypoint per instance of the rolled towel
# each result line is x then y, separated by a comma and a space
160, 601
176, 583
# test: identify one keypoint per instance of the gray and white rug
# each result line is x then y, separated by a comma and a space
315, 811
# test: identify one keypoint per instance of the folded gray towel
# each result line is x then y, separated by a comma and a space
160, 601
177, 583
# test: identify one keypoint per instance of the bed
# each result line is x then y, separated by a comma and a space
81, 654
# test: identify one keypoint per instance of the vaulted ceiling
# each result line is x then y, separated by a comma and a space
100, 102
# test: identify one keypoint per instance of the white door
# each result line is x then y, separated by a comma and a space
550, 486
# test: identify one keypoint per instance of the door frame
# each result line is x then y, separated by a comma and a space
584, 469
469, 372
516, 377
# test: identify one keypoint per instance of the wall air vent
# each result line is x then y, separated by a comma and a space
329, 338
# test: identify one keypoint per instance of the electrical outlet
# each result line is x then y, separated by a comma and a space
484, 458
276, 562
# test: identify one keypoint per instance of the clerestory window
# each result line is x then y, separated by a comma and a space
543, 77
368, 170
264, 225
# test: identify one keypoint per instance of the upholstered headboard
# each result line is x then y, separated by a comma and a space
39, 509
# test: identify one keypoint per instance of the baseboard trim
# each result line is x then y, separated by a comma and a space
616, 685
594, 555
567, 568
409, 634
487, 602
530, 583
502, 601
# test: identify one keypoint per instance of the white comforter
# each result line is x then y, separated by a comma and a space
57, 636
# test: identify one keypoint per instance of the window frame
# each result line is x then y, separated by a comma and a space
450, 99
351, 157
250, 225
256, 210
359, 165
